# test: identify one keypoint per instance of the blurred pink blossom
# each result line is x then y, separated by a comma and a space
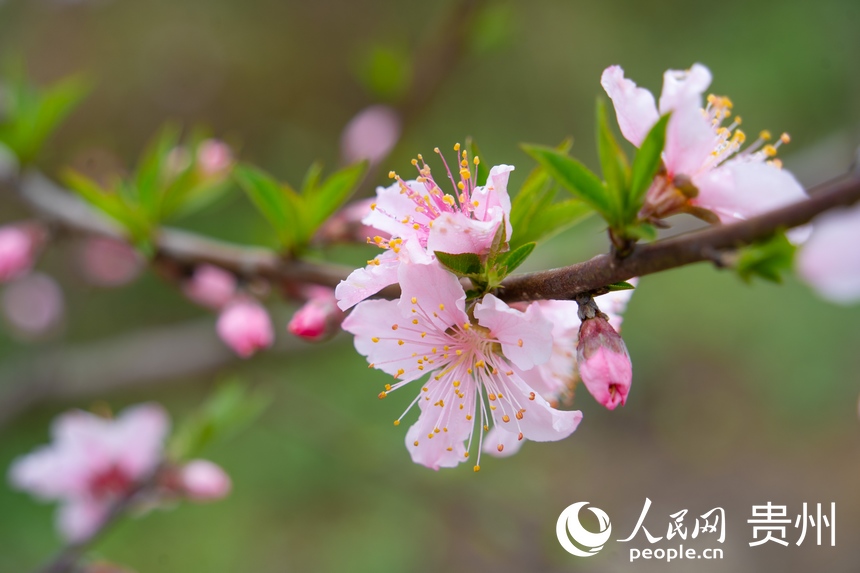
17, 251
34, 304
245, 326
210, 286
92, 462
705, 165
108, 262
202, 480
830, 258
371, 134
214, 157
319, 318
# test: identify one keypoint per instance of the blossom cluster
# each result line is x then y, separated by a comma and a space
94, 463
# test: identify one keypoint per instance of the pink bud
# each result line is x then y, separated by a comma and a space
371, 134
34, 304
210, 286
319, 318
17, 250
214, 157
603, 361
110, 263
245, 326
345, 226
201, 480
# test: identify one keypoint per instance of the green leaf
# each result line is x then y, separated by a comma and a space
312, 178
512, 259
228, 410
768, 260
111, 204
645, 166
623, 285
463, 265
576, 178
279, 205
149, 178
386, 72
332, 194
613, 161
552, 220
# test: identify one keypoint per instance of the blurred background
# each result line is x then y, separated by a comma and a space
742, 394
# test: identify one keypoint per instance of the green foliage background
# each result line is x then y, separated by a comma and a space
742, 394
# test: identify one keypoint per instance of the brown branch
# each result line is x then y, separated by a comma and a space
694, 247
563, 283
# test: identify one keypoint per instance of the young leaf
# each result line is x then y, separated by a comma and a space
273, 201
332, 194
512, 259
111, 204
151, 170
463, 265
768, 259
623, 285
552, 220
576, 178
613, 161
645, 166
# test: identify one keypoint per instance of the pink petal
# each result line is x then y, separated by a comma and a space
365, 282
830, 259
456, 233
80, 518
690, 139
493, 199
435, 290
683, 86
740, 189
526, 337
140, 432
607, 375
634, 106
509, 441
541, 422
392, 205
434, 452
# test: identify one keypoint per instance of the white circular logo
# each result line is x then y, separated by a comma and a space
568, 523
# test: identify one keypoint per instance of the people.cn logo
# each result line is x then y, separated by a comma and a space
569, 527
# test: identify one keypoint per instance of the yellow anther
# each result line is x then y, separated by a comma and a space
373, 206
430, 436
519, 415
765, 135
424, 389
469, 370
382, 395
396, 422
468, 417
461, 185
785, 138
441, 306
400, 372
415, 443
492, 397
520, 437
375, 339
421, 157
437, 430
392, 174
414, 321
475, 203
486, 428
738, 120
394, 327
531, 395
448, 200
388, 387
423, 334
466, 326
769, 150
371, 365
476, 160
520, 342
461, 406
477, 469
400, 343
739, 136
456, 147
456, 383
458, 352
436, 150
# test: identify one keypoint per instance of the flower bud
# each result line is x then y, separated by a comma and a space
109, 263
214, 158
33, 305
17, 251
319, 318
201, 480
245, 326
210, 286
603, 361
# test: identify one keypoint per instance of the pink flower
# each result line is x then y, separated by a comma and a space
830, 259
201, 480
319, 318
420, 218
603, 362
17, 251
245, 326
474, 367
91, 463
214, 158
705, 166
110, 263
210, 286
371, 134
